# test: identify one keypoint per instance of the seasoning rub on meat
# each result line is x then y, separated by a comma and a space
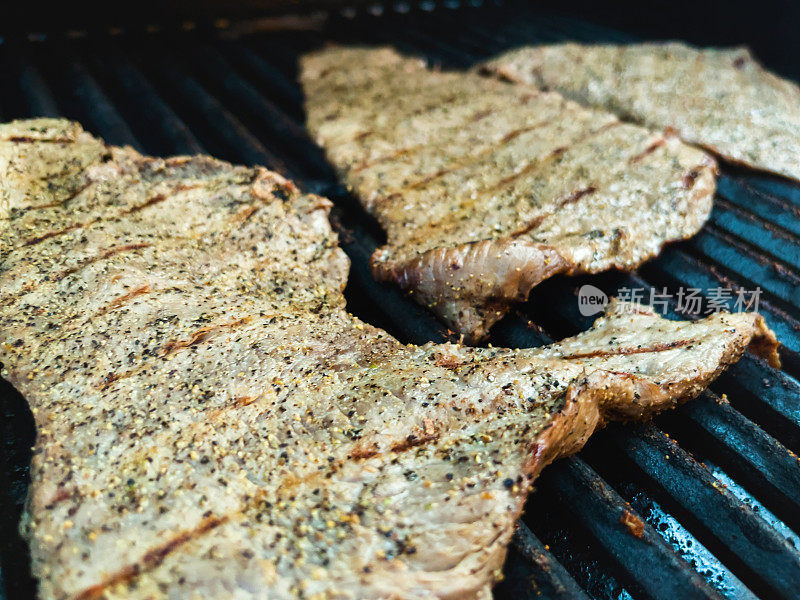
720, 99
486, 188
212, 423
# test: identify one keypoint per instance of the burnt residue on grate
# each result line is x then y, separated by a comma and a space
702, 503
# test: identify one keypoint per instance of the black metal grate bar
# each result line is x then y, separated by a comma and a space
91, 102
768, 208
602, 511
169, 133
677, 528
282, 89
274, 122
240, 144
732, 439
548, 580
735, 525
740, 222
32, 87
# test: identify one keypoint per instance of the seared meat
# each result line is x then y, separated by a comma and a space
212, 423
720, 99
485, 188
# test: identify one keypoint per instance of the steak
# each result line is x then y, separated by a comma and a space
485, 189
212, 423
720, 99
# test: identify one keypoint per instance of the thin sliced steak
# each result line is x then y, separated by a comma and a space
720, 99
212, 423
486, 188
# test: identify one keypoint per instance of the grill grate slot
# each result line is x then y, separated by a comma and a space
550, 579
221, 123
87, 98
598, 508
35, 91
142, 104
711, 427
190, 92
731, 525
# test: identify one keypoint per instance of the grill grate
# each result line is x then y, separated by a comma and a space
716, 484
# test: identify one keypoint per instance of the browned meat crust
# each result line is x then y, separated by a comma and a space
485, 188
212, 423
720, 99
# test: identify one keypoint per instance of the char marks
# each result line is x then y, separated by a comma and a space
120, 301
718, 98
540, 164
151, 559
201, 335
534, 223
29, 139
209, 417
661, 347
52, 234
105, 256
455, 161
151, 201
649, 150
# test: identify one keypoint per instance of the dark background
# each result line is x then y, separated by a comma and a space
770, 27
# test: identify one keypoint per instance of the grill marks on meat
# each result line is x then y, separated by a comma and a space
625, 351
212, 422
720, 99
151, 560
485, 188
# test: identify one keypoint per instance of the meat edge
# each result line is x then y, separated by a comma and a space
446, 280
603, 397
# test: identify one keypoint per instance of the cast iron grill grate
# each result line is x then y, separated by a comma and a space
716, 483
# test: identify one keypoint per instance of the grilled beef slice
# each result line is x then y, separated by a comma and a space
720, 99
212, 423
485, 188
